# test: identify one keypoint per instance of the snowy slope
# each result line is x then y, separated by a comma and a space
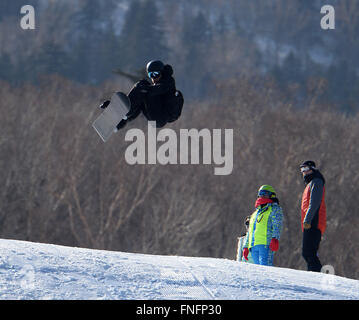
42, 271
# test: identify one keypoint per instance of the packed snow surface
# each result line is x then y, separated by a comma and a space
44, 271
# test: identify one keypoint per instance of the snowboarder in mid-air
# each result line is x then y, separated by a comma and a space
158, 100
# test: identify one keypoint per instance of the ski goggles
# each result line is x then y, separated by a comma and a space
154, 74
305, 169
264, 193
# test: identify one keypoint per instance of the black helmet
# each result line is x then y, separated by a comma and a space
155, 65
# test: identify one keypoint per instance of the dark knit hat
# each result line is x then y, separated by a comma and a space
308, 163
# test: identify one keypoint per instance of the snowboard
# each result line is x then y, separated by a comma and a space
106, 123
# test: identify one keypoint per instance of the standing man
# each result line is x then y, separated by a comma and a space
313, 214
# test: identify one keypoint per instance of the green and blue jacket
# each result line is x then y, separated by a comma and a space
265, 224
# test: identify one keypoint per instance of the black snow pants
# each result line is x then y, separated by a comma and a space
310, 247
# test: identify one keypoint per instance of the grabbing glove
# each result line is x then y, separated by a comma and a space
121, 124
306, 226
274, 244
143, 83
245, 253
105, 104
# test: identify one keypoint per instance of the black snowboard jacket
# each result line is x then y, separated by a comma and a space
154, 100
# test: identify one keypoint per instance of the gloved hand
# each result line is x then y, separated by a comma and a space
245, 253
121, 124
306, 226
143, 83
274, 244
105, 104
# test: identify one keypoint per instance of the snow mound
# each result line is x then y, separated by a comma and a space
36, 271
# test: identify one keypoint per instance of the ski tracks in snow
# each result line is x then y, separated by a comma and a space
202, 280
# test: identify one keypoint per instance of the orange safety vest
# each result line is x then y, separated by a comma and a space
322, 218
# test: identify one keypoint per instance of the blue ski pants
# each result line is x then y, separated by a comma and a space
261, 254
